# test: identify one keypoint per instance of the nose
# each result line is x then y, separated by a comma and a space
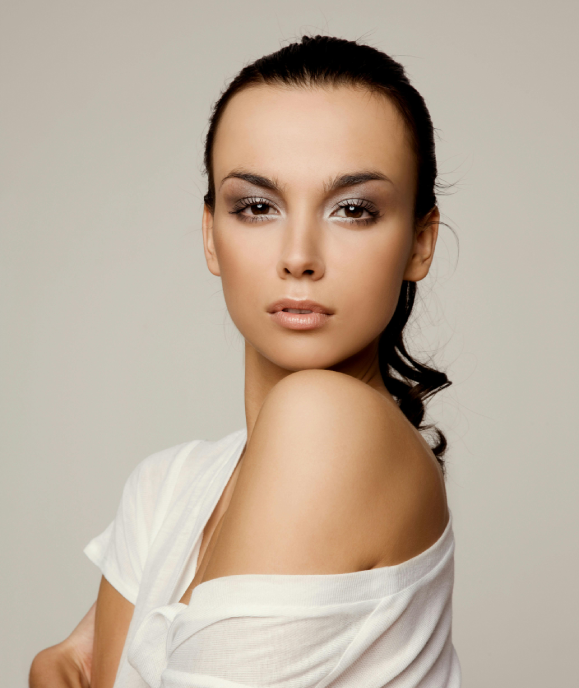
301, 251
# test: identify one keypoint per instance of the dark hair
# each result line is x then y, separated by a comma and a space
329, 61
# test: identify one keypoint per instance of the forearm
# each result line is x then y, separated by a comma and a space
54, 667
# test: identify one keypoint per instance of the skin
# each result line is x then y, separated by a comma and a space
305, 139
68, 663
333, 477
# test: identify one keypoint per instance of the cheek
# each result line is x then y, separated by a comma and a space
244, 262
371, 285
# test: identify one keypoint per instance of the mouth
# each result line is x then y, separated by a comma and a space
299, 306
299, 314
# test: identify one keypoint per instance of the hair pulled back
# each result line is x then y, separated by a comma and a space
329, 61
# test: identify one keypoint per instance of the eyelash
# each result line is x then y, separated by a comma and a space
356, 203
247, 203
365, 205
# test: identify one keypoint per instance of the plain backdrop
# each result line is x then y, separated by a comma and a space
116, 342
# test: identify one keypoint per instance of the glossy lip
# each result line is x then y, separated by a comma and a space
299, 321
300, 304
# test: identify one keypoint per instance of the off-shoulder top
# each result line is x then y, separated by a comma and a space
383, 627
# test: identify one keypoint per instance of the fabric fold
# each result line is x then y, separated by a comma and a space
309, 631
388, 627
149, 650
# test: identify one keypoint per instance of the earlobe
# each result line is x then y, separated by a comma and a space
208, 242
423, 247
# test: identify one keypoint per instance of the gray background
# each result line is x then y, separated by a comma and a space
115, 338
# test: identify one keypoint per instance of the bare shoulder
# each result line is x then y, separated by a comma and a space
321, 423
329, 406
347, 421
334, 479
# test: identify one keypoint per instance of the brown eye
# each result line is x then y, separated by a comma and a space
357, 212
259, 208
353, 211
254, 210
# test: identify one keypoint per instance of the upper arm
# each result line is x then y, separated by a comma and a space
122, 549
112, 620
121, 552
333, 480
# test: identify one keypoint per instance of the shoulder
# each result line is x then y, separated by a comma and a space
148, 488
154, 468
339, 419
327, 402
330, 444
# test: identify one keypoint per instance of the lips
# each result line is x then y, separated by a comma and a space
299, 305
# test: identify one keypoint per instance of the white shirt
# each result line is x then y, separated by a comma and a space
383, 627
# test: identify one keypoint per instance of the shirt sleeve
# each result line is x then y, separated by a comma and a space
121, 550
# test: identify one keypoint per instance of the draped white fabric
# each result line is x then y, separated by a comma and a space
382, 627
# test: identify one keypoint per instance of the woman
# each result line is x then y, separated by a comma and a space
314, 547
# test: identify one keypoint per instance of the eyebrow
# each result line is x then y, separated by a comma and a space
338, 182
344, 180
255, 179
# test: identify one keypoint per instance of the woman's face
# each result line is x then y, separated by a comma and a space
314, 198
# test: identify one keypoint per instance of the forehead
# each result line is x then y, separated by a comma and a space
302, 135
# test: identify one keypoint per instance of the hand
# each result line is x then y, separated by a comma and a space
68, 664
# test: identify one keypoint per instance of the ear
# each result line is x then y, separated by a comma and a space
208, 242
422, 251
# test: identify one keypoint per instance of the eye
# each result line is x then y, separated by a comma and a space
358, 211
258, 209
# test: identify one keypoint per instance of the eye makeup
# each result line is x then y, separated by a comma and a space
259, 204
360, 205
260, 207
